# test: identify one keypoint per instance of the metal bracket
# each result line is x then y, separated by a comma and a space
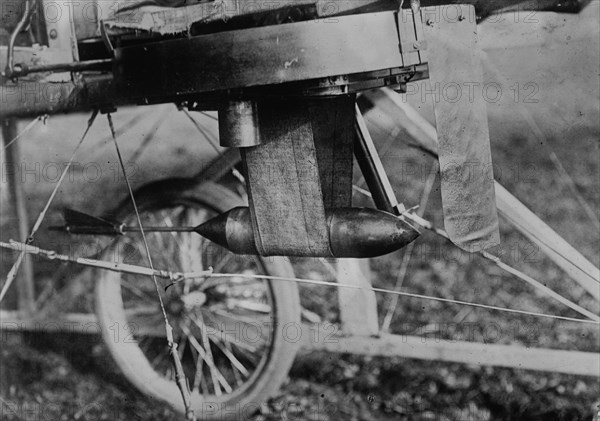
412, 41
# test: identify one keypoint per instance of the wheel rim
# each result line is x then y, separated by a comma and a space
223, 330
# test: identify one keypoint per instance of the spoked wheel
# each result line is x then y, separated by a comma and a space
230, 334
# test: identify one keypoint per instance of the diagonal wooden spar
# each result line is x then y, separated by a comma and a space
496, 260
423, 135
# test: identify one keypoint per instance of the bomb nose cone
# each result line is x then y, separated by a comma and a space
231, 230
215, 230
365, 233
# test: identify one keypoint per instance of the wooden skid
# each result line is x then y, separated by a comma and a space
432, 349
327, 338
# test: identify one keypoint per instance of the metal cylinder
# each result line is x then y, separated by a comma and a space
238, 124
353, 233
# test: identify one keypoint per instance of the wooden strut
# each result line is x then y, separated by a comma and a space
427, 346
553, 245
25, 286
388, 200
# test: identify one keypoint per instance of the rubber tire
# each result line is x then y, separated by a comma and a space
109, 309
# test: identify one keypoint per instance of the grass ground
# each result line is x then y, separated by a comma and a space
61, 376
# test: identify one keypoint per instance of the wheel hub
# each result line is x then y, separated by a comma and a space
193, 300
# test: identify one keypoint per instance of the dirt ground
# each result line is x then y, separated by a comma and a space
547, 66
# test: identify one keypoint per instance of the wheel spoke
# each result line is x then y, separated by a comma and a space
181, 346
159, 359
192, 244
221, 264
139, 311
225, 348
198, 375
233, 341
214, 371
216, 362
217, 376
138, 293
199, 379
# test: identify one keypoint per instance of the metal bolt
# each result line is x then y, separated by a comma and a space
53, 34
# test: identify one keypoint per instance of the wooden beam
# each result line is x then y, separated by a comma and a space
433, 349
13, 321
140, 15
18, 205
280, 53
358, 307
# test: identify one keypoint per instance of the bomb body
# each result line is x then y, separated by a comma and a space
353, 233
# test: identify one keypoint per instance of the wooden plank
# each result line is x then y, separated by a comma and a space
77, 323
332, 121
25, 279
139, 15
431, 349
284, 189
358, 307
259, 56
13, 321
400, 114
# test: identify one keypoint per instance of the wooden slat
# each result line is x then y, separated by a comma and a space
13, 321
284, 188
431, 349
25, 282
358, 307
408, 37
332, 121
138, 15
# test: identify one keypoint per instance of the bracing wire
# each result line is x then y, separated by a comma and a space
12, 274
23, 132
179, 376
180, 277
496, 260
